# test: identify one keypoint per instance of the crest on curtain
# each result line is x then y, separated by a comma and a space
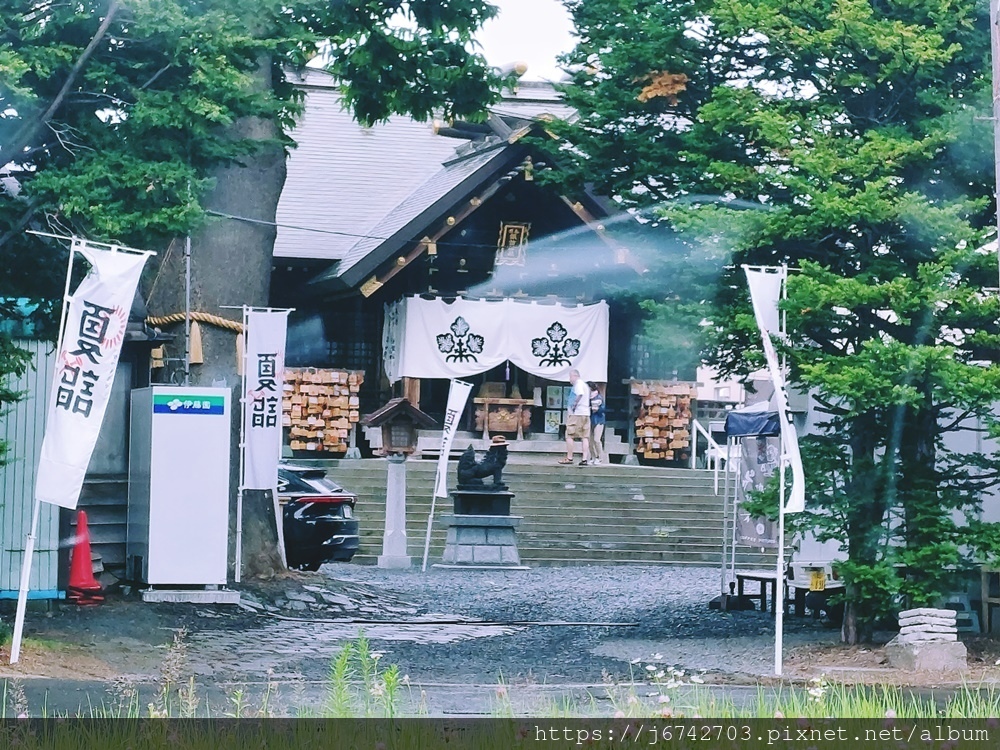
556, 348
461, 345
431, 338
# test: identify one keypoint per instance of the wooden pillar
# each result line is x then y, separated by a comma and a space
411, 390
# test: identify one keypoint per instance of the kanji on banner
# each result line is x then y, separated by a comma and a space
458, 395
85, 370
265, 378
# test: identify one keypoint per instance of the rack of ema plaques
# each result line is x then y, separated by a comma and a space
178, 498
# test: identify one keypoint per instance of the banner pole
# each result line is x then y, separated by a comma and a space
187, 310
738, 462
29, 542
22, 594
779, 581
430, 521
238, 562
725, 520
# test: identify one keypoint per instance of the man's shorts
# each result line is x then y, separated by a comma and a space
577, 426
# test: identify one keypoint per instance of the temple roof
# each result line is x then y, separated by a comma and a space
355, 195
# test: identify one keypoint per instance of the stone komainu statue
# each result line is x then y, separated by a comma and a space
472, 472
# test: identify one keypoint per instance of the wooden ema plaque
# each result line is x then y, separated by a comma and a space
663, 421
320, 408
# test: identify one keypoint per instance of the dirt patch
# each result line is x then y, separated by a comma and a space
54, 659
868, 665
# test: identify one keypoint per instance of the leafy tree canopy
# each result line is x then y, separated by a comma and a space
846, 138
113, 114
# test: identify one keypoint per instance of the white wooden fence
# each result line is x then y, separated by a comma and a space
21, 426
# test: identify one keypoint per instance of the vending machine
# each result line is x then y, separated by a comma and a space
178, 497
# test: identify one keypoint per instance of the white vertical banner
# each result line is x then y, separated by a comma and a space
765, 290
91, 334
265, 378
458, 396
85, 370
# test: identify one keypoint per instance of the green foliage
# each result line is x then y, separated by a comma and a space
123, 148
851, 141
873, 589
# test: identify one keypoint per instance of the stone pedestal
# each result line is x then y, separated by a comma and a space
394, 542
481, 532
927, 656
482, 502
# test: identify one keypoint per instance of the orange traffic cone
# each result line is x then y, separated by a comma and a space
83, 588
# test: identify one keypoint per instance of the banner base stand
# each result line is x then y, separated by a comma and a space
191, 596
447, 566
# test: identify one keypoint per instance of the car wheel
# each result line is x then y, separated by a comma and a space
310, 567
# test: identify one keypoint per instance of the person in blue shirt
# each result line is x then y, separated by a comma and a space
597, 421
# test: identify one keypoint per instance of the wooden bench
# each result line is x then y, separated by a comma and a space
764, 579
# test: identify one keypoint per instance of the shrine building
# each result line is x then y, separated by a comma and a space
414, 253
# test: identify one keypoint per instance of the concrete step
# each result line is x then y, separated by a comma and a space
555, 523
541, 558
573, 514
339, 467
637, 556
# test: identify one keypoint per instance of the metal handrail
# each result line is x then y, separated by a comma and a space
711, 444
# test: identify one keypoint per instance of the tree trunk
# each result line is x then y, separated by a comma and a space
849, 628
864, 522
231, 265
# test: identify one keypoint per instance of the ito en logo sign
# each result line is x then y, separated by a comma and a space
185, 403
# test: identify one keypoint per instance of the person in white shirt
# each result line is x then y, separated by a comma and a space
578, 419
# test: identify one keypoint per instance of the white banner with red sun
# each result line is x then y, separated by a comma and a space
85, 370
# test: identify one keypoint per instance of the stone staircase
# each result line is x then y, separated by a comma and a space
573, 515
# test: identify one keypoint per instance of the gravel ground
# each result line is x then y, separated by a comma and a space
553, 626
654, 609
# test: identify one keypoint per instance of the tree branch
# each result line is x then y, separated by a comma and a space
156, 75
21, 223
29, 129
965, 415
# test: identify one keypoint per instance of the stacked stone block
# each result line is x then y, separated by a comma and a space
927, 642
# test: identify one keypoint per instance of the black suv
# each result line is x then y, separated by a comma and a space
317, 517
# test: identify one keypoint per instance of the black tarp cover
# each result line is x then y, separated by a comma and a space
753, 421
